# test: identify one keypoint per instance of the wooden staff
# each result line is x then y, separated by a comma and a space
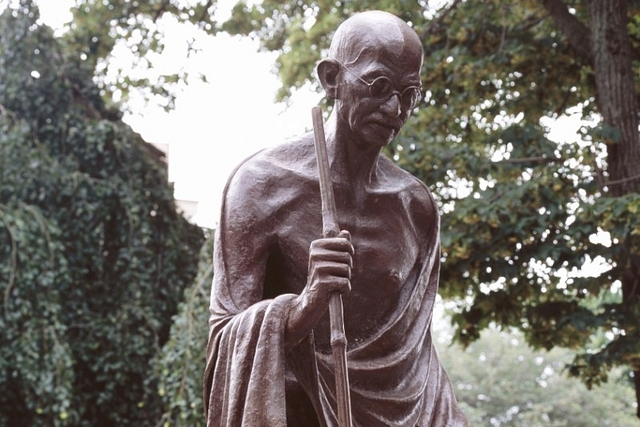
330, 228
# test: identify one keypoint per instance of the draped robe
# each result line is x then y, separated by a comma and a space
271, 208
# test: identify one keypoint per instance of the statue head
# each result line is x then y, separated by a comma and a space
373, 73
367, 32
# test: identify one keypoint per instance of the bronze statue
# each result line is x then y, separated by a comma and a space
269, 357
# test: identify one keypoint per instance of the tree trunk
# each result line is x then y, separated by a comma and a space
636, 381
617, 102
617, 99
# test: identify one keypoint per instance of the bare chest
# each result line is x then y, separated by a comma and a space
387, 250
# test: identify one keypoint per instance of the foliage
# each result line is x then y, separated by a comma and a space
98, 27
180, 365
94, 257
537, 234
499, 381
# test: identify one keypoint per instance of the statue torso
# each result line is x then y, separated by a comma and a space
386, 223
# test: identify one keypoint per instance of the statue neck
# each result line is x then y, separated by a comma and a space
353, 163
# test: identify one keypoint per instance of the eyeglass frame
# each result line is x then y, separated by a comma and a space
417, 89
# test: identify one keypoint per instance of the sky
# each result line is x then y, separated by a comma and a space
214, 125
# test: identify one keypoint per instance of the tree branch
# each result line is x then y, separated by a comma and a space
161, 9
532, 160
622, 181
576, 32
435, 24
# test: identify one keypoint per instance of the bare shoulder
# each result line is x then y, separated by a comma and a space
414, 192
270, 179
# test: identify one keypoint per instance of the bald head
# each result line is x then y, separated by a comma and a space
371, 31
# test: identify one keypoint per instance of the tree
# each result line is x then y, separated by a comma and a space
94, 256
526, 218
501, 382
99, 26
180, 364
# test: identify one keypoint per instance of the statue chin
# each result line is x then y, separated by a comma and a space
376, 135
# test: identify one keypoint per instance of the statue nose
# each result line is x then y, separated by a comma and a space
392, 106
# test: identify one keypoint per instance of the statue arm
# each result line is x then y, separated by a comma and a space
247, 234
245, 356
240, 250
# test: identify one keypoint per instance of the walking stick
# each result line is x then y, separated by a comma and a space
330, 228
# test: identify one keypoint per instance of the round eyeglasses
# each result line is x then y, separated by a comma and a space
382, 89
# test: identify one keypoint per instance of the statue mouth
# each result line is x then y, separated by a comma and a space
394, 127
390, 123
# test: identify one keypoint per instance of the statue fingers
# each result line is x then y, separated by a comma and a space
340, 243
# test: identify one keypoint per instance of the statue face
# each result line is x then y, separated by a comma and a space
374, 122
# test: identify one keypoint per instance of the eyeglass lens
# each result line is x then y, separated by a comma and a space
381, 88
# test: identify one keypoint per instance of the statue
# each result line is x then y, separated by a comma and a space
269, 357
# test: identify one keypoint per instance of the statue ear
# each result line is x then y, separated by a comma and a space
328, 70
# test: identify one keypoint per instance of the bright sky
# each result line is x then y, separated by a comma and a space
214, 125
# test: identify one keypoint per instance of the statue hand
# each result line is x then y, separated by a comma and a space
330, 262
